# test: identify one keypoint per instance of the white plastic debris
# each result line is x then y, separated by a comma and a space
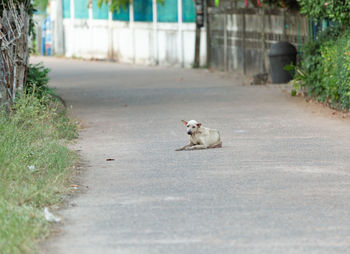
50, 217
31, 168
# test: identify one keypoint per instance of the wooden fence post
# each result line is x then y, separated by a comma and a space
243, 46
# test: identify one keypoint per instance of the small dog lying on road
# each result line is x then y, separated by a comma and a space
200, 137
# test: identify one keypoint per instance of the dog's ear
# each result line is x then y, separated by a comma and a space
199, 125
184, 122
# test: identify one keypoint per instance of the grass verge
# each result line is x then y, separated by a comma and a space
35, 167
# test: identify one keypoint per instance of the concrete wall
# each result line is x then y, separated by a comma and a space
241, 37
136, 43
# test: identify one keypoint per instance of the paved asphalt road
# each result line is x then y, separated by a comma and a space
280, 184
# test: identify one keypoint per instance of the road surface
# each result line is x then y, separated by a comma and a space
280, 184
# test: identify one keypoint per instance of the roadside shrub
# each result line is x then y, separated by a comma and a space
335, 10
38, 81
324, 71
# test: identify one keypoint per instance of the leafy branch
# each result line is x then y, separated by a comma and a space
116, 5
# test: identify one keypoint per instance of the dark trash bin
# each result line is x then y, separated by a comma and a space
281, 54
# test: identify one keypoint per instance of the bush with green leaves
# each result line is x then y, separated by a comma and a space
335, 10
324, 71
38, 81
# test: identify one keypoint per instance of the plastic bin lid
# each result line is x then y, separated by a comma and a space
282, 48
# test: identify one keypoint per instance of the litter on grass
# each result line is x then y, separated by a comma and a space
50, 217
31, 168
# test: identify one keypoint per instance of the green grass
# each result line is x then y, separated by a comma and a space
34, 134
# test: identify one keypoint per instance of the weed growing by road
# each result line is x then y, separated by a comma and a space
34, 169
38, 81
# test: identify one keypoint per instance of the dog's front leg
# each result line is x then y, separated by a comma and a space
197, 147
184, 147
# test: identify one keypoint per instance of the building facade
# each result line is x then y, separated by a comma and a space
144, 32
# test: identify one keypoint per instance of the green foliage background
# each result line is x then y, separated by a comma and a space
324, 71
335, 10
115, 5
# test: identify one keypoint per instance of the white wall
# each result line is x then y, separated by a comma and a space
133, 42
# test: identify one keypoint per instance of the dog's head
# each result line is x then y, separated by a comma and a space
192, 126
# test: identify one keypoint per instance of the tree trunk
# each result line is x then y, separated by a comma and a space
197, 47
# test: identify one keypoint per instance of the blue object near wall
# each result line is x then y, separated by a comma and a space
143, 10
43, 44
81, 9
167, 12
188, 11
99, 12
122, 15
66, 9
46, 36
